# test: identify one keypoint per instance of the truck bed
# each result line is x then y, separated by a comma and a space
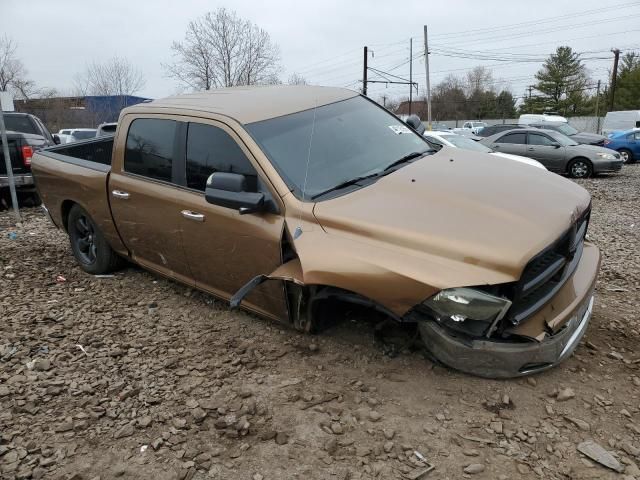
96, 150
77, 173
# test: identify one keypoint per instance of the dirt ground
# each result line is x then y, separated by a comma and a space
137, 377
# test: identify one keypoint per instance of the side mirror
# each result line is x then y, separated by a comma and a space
556, 145
56, 139
414, 122
230, 190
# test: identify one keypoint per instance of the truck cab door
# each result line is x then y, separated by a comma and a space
226, 249
142, 193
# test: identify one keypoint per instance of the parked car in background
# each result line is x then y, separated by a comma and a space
21, 149
627, 144
470, 128
565, 128
531, 118
556, 151
30, 124
373, 216
449, 139
500, 127
106, 129
68, 135
620, 121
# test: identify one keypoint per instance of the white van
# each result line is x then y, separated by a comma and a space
620, 121
530, 118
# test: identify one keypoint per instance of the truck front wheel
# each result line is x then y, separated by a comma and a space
89, 246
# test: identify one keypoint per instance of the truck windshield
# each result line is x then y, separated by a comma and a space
319, 149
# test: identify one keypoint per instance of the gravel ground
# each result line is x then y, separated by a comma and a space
136, 377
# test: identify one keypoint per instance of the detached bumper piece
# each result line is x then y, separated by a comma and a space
501, 359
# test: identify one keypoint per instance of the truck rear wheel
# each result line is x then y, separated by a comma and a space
89, 246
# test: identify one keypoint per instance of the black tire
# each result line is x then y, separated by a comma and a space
580, 168
627, 155
92, 252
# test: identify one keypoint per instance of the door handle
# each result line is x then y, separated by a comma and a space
198, 217
531, 149
120, 194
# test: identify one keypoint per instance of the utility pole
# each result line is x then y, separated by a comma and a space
614, 76
410, 73
364, 73
598, 108
426, 67
530, 87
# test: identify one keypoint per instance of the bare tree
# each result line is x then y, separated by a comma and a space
13, 75
116, 76
480, 79
222, 50
296, 79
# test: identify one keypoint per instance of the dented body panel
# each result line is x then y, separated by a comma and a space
451, 219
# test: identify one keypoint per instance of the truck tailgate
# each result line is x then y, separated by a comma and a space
63, 180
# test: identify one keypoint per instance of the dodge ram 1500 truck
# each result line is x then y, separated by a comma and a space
291, 200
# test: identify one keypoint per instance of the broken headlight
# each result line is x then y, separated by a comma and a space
468, 310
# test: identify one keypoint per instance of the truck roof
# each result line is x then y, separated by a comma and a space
250, 104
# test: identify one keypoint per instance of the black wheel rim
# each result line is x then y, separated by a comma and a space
85, 240
579, 169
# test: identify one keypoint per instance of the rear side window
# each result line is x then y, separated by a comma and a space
538, 139
512, 138
210, 149
150, 148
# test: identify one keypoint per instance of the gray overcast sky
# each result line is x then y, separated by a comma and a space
323, 39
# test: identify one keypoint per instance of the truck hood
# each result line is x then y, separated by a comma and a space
461, 207
588, 138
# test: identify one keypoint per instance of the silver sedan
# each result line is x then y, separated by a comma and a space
556, 151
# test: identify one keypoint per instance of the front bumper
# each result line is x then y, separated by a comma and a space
21, 180
608, 166
567, 313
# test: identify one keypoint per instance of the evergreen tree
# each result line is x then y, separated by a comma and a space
562, 83
628, 85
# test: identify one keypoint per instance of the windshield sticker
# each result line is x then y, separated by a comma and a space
399, 129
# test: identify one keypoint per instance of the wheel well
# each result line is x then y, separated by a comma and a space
323, 306
64, 210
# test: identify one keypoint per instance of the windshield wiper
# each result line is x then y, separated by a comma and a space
346, 183
405, 159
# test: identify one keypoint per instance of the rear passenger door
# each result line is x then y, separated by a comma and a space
142, 194
513, 143
225, 250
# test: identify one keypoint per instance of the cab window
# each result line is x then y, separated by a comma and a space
150, 148
210, 149
539, 139
512, 138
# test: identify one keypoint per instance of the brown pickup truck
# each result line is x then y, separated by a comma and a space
292, 200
